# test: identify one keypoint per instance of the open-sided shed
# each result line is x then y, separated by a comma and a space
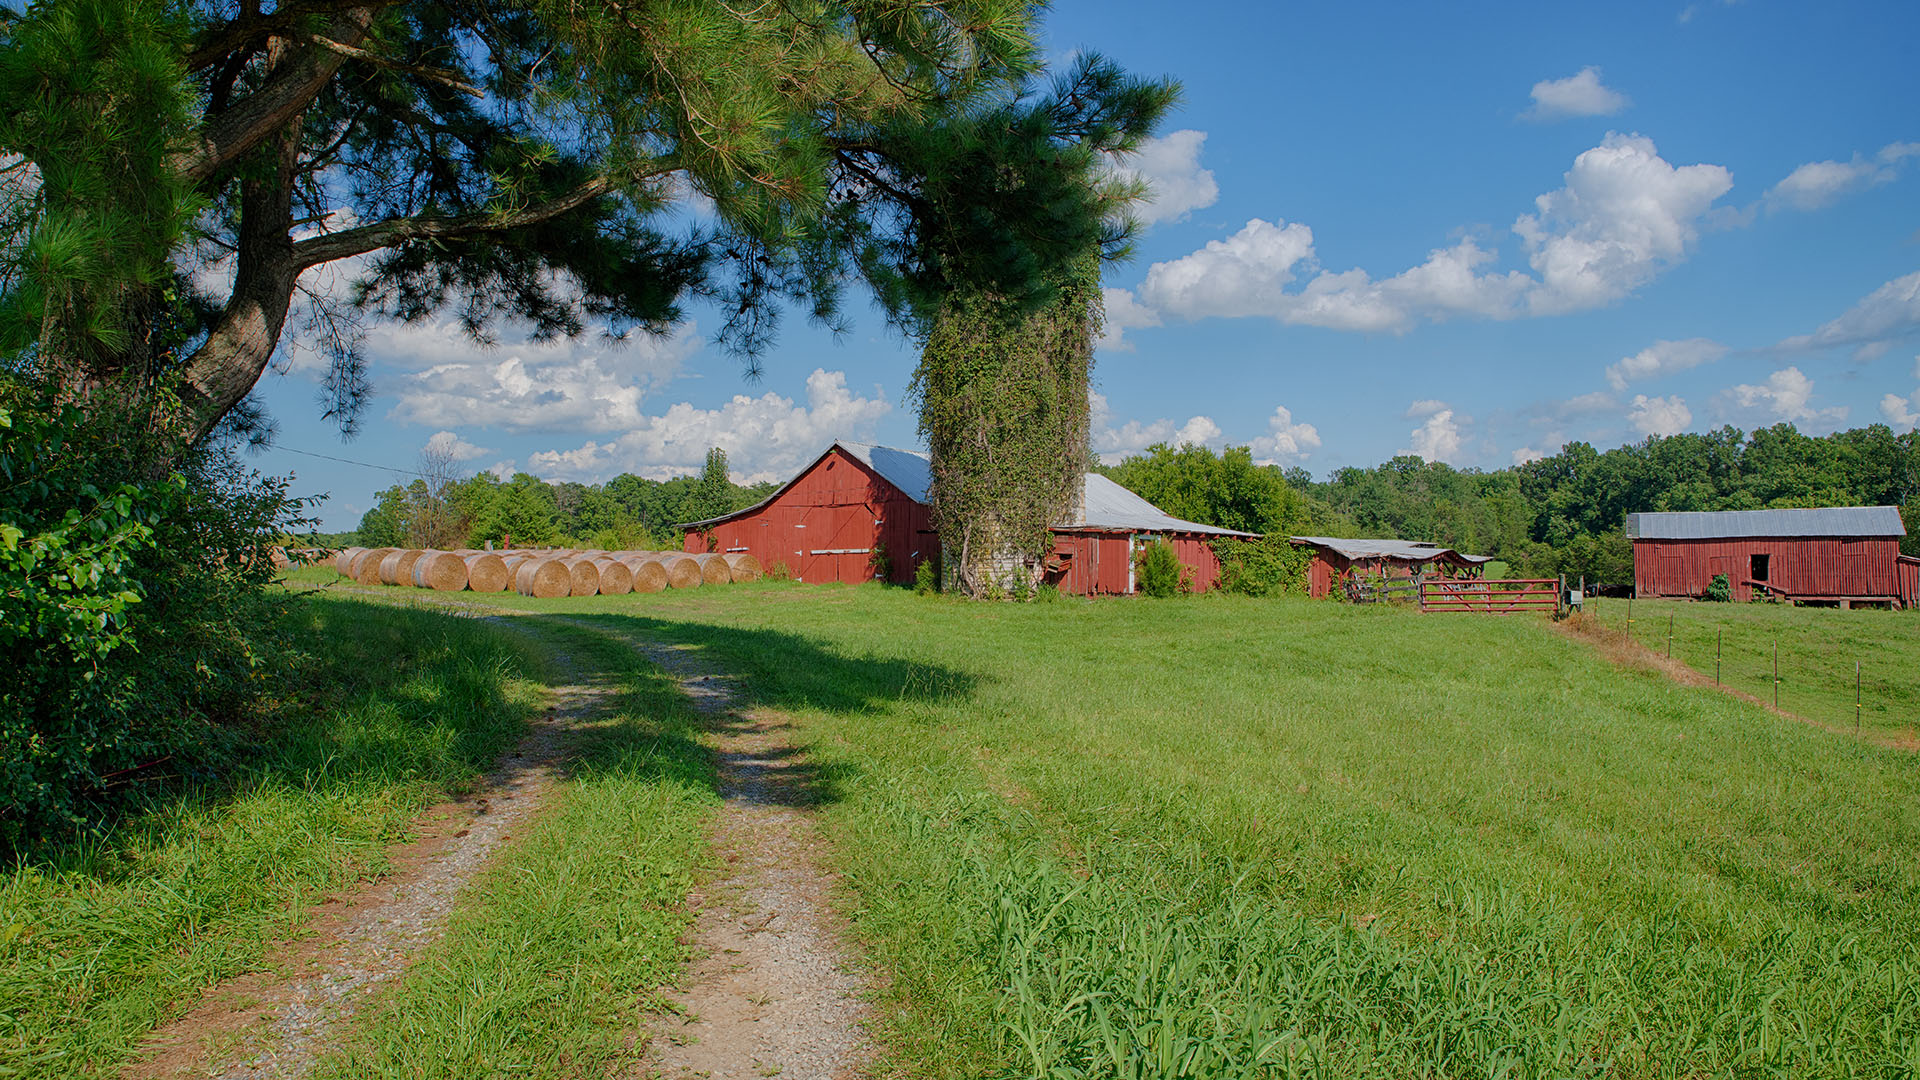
826, 522
1339, 560
1839, 553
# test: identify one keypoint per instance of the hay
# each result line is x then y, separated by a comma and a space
343, 560
584, 577
487, 572
367, 570
714, 569
744, 566
648, 576
542, 578
682, 571
397, 568
441, 571
615, 578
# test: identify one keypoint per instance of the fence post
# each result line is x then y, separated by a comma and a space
1560, 598
1629, 629
1717, 636
1669, 637
1856, 699
1776, 673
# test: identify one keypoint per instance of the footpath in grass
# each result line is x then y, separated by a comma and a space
1219, 837
553, 958
1818, 648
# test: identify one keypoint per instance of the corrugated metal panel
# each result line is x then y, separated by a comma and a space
1107, 505
1729, 524
1821, 566
1408, 550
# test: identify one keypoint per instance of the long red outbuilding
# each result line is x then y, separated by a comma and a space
1840, 554
827, 523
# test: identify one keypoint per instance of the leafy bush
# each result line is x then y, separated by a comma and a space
1270, 566
779, 571
1719, 590
1157, 570
926, 576
879, 563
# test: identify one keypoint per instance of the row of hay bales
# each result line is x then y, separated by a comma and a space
545, 573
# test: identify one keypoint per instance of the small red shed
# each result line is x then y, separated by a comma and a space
1338, 560
825, 523
1840, 553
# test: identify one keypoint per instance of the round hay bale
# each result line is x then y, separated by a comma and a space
343, 560
397, 568
615, 578
649, 577
584, 576
744, 566
441, 571
714, 569
682, 571
487, 572
367, 570
542, 578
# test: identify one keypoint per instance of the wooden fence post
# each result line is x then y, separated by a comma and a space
1718, 636
1856, 699
1669, 636
1776, 673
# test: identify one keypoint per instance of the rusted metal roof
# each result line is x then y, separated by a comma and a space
1405, 550
1719, 524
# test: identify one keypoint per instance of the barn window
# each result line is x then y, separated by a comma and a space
1757, 567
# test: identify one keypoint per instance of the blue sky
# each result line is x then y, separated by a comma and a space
1468, 232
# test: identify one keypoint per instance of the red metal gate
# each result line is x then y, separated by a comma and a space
1490, 597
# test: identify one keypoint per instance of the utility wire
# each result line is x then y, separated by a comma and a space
350, 461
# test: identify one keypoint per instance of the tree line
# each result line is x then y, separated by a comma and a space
1560, 514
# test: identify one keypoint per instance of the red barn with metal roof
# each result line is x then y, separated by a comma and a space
1840, 554
826, 523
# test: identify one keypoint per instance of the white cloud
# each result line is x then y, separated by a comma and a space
1659, 415
1170, 165
1524, 454
503, 469
564, 385
1285, 442
1439, 439
766, 438
1663, 358
1818, 183
1623, 214
1423, 407
1123, 313
1580, 94
1598, 401
1112, 444
1901, 412
1786, 395
1888, 313
454, 447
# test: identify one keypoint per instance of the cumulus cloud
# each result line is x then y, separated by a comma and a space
1170, 165
453, 447
1598, 401
1624, 213
1440, 437
1524, 454
1113, 444
1819, 183
1659, 415
766, 438
1663, 358
1580, 94
1123, 313
1883, 316
1786, 395
1901, 412
1286, 441
563, 385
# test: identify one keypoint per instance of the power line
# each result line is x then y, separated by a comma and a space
350, 461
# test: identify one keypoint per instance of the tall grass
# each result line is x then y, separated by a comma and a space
379, 713
553, 958
1272, 838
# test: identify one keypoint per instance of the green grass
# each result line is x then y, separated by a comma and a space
1818, 650
379, 713
1222, 837
550, 962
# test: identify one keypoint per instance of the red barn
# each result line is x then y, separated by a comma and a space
826, 523
1338, 561
1839, 554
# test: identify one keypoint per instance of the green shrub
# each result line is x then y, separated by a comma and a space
1719, 590
1269, 566
1157, 570
926, 576
879, 563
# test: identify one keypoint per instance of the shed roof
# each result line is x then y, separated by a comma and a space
1719, 524
1406, 550
1106, 505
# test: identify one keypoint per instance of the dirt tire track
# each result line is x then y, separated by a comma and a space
280, 1020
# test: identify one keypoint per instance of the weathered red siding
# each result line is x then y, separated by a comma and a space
824, 527
1092, 563
1823, 566
1909, 570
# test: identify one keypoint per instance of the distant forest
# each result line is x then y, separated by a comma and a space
1563, 514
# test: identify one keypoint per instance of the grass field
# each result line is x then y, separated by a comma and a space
1222, 837
1818, 650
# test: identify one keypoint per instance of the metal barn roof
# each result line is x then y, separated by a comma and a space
1722, 524
1106, 505
1408, 550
